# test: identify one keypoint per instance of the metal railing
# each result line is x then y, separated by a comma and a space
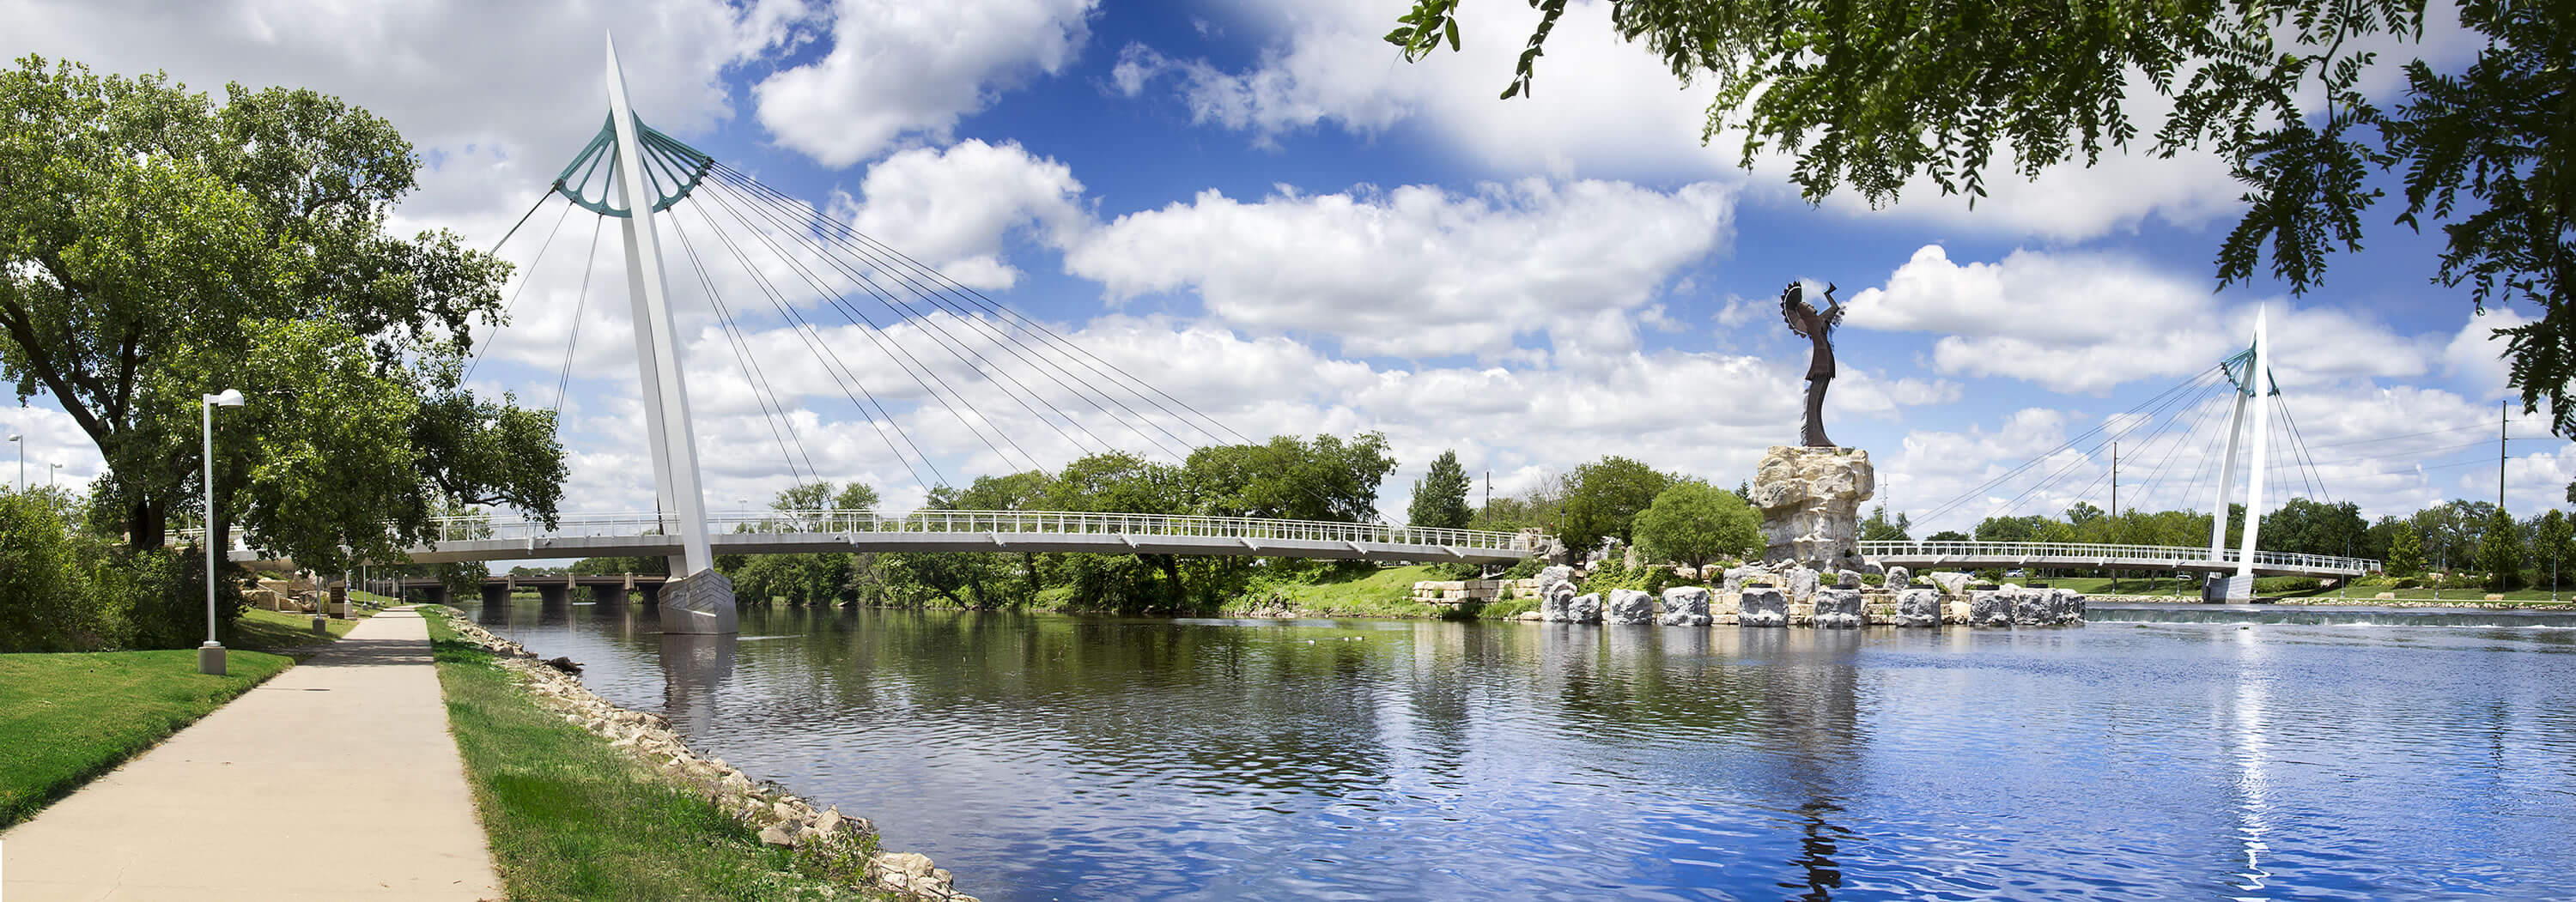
2056, 552
477, 527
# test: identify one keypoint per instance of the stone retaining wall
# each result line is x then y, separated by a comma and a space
781, 818
1880, 607
1482, 591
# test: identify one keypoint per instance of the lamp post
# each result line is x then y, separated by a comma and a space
21, 442
210, 656
53, 476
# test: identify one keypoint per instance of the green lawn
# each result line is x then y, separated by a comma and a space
569, 817
281, 631
66, 718
1382, 592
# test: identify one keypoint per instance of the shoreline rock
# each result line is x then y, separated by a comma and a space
781, 818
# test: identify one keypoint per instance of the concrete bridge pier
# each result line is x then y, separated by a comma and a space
607, 595
553, 595
495, 595
651, 592
432, 594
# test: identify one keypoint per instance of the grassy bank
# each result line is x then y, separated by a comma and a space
570, 817
67, 718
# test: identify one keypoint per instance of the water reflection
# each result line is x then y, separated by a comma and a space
1055, 757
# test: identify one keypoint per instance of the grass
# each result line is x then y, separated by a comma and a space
67, 718
1344, 592
570, 817
281, 631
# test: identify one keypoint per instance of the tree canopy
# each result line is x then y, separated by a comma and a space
1695, 523
156, 245
1870, 95
1440, 496
1602, 499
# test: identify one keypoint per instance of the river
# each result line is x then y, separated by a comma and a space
1054, 757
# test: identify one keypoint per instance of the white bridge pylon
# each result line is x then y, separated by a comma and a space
2251, 372
701, 601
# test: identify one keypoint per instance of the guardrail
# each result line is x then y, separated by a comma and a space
2078, 551
851, 522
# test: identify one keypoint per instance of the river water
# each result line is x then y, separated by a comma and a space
1052, 757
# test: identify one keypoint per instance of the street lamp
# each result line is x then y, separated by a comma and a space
53, 476
21, 442
210, 656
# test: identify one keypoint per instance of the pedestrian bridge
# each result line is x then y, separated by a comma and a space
1919, 556
480, 538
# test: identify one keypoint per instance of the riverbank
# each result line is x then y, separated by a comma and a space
68, 717
586, 800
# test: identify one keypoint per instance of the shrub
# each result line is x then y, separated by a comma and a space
2285, 585
1528, 567
45, 602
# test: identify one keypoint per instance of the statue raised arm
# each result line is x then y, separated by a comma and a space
1817, 328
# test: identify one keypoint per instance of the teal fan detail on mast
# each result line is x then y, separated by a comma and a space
671, 167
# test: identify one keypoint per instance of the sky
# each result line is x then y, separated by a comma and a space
1264, 213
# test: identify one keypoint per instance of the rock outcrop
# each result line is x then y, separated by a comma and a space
1629, 606
1810, 501
1686, 606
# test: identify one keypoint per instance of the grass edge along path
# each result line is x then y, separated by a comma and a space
572, 816
67, 718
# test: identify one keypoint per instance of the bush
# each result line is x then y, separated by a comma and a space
45, 602
1528, 567
2286, 585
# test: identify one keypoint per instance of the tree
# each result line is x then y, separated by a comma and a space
2032, 528
2405, 551
1947, 535
1868, 96
1880, 529
1291, 479
156, 246
2305, 526
1440, 496
1603, 499
2500, 552
1695, 523
2554, 547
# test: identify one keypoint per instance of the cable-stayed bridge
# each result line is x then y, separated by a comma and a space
1923, 556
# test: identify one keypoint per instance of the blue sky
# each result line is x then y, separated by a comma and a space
1260, 209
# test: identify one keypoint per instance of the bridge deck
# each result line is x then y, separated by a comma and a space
1979, 555
825, 531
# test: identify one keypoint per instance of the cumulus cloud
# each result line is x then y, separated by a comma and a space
954, 208
898, 68
1419, 271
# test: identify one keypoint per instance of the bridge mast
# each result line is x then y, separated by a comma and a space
699, 600
2255, 386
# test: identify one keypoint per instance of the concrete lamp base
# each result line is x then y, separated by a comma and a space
321, 625
210, 659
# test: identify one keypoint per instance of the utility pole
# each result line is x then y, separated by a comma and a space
1489, 491
2503, 435
2115, 482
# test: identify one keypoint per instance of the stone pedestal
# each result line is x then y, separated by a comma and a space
1810, 501
1686, 606
1629, 606
1763, 607
1584, 609
1918, 607
1990, 607
699, 604
1838, 609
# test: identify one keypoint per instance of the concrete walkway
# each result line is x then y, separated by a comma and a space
334, 780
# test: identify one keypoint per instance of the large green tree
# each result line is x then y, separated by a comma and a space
1602, 499
1440, 496
156, 245
1869, 95
1695, 523
2500, 551
2553, 551
2405, 551
1288, 478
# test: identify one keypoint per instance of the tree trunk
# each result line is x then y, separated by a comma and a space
147, 525
1171, 565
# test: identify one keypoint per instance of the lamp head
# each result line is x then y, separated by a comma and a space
231, 397
14, 438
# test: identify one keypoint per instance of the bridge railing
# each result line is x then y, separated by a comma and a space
469, 528
2054, 552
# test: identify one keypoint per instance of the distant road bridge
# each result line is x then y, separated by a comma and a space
824, 531
1920, 556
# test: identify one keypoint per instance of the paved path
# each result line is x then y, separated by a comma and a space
334, 780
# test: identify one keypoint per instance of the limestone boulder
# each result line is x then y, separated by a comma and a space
2068, 607
1583, 609
1763, 607
1552, 577
1918, 607
1686, 606
1839, 609
1952, 584
1898, 578
1800, 582
1810, 502
1628, 606
1990, 607
1736, 578
1847, 579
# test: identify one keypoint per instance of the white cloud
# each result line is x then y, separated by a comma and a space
1420, 271
952, 209
898, 68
